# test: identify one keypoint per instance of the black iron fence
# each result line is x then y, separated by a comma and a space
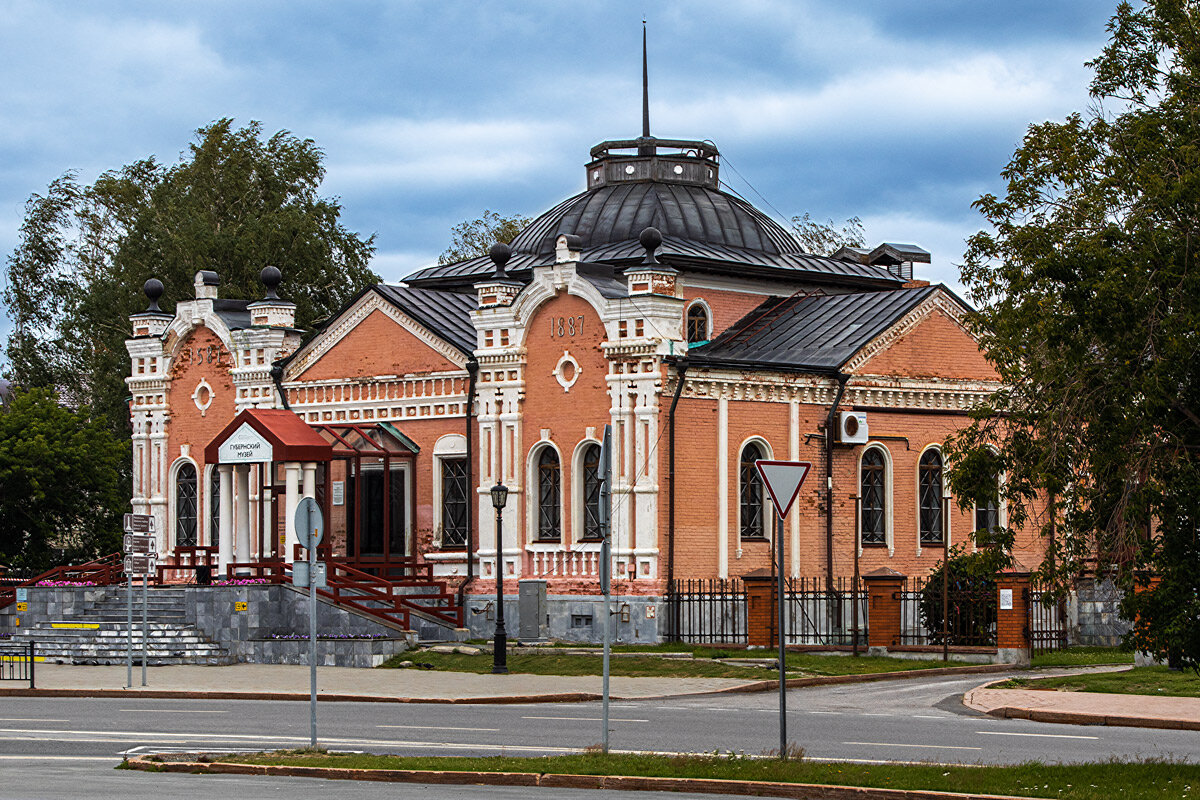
16, 662
1046, 625
707, 611
969, 619
820, 612
816, 612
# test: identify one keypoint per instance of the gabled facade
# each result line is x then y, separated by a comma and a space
652, 302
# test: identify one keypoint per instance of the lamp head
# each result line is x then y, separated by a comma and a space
499, 496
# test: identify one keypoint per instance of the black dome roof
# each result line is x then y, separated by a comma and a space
620, 212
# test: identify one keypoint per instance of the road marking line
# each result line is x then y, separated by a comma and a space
108, 759
927, 746
31, 719
168, 711
1040, 735
438, 728
591, 719
866, 714
926, 716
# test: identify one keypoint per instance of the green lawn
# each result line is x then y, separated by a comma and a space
1082, 656
1097, 781
1159, 681
551, 663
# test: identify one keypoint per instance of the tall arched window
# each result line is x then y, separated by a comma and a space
697, 323
873, 491
591, 492
751, 498
549, 486
987, 513
214, 504
185, 506
930, 480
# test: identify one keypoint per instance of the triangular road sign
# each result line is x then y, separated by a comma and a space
783, 480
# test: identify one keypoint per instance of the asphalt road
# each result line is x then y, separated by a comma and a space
913, 720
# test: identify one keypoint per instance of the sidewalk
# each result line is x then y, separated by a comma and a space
1087, 708
285, 682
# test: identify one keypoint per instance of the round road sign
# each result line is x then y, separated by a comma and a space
310, 525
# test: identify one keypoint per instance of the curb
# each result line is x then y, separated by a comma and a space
563, 697
627, 783
1076, 717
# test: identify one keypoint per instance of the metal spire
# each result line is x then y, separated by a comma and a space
645, 88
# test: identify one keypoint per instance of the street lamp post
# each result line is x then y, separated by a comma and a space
500, 639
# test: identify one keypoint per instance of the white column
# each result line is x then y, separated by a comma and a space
292, 471
225, 520
310, 480
242, 478
267, 538
723, 487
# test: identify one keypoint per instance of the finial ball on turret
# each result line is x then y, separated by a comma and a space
650, 238
153, 290
271, 277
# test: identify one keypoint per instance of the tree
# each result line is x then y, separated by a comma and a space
826, 238
233, 203
61, 487
473, 238
1089, 287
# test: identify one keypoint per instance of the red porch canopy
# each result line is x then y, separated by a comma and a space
267, 434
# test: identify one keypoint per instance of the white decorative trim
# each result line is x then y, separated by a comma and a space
889, 499
768, 511
203, 405
560, 373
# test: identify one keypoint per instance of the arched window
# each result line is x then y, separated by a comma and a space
873, 491
697, 323
930, 481
214, 504
549, 487
987, 513
591, 492
185, 506
751, 500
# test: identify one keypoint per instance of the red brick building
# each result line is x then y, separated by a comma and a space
653, 302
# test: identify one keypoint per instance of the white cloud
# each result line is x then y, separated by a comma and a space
394, 265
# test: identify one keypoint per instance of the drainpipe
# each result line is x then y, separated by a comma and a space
681, 366
472, 497
277, 378
830, 430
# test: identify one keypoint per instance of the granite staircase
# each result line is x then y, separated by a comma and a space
99, 634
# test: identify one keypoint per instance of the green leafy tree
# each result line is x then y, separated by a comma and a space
61, 487
826, 238
1089, 287
235, 202
475, 237
971, 594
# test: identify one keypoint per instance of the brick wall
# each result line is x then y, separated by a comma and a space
377, 346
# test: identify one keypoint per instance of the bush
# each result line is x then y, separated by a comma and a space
972, 597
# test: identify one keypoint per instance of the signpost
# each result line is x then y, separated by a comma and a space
783, 480
606, 563
310, 529
141, 560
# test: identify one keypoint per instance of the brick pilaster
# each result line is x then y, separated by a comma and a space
1012, 624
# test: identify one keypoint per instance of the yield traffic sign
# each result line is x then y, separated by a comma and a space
783, 480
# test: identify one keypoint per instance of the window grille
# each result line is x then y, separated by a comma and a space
752, 498
591, 492
931, 497
454, 502
873, 492
549, 496
185, 506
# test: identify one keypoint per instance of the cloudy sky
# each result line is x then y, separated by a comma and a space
901, 112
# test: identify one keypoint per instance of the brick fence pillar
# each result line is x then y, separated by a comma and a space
1012, 617
760, 608
883, 609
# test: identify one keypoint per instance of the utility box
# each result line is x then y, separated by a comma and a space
532, 611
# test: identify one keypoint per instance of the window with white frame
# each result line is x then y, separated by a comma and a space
186, 506
751, 494
929, 483
872, 489
549, 496
590, 492
697, 323
451, 492
214, 504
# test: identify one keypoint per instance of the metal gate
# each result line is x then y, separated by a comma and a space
16, 662
1046, 620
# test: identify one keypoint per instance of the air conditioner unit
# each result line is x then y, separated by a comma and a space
852, 428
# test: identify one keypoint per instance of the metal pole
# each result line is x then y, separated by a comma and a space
129, 632
312, 637
32, 661
500, 641
606, 570
145, 625
782, 652
854, 588
945, 584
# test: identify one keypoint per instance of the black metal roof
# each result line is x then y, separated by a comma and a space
679, 253
808, 332
234, 313
448, 314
